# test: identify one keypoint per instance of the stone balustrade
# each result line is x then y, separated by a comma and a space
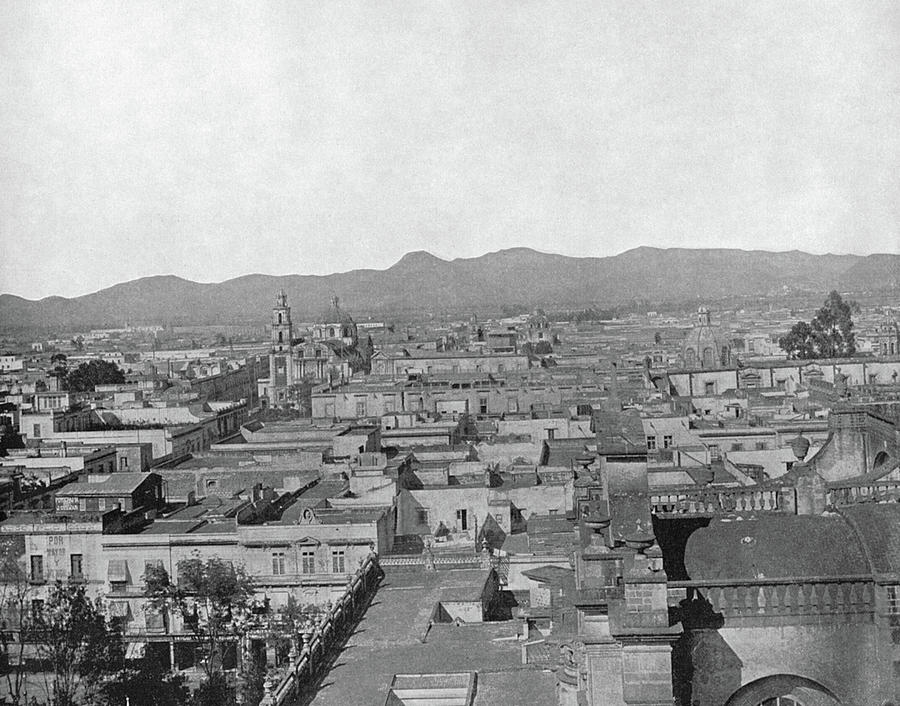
849, 597
709, 502
307, 663
843, 493
716, 501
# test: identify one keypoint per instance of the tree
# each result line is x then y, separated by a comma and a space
15, 601
211, 595
81, 651
59, 369
148, 683
95, 372
833, 327
799, 342
828, 335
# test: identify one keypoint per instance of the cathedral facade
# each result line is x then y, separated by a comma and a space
330, 351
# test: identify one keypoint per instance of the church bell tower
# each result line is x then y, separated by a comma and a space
281, 367
282, 329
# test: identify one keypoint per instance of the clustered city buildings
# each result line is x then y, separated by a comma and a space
636, 511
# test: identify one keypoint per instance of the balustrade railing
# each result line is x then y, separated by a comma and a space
718, 501
853, 493
845, 596
307, 662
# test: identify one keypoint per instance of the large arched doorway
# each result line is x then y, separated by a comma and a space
783, 690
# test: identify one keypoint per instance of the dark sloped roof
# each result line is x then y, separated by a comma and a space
878, 526
114, 484
555, 575
777, 546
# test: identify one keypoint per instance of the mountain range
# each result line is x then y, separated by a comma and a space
420, 281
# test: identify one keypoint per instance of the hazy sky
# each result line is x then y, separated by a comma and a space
213, 139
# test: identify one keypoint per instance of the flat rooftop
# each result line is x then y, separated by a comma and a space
387, 643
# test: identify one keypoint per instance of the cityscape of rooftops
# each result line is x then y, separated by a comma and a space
456, 354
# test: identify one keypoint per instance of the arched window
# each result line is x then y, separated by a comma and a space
331, 333
281, 337
690, 358
280, 320
708, 358
725, 356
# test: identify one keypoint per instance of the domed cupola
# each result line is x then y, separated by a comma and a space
704, 346
335, 324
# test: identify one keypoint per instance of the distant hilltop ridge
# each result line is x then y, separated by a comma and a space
420, 280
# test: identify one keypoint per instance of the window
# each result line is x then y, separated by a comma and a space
118, 586
211, 483
714, 454
123, 463
512, 405
422, 516
37, 567
667, 441
462, 519
278, 563
338, 561
651, 443
308, 561
482, 405
36, 431
389, 404
360, 408
155, 619
709, 388
76, 566
893, 596
551, 433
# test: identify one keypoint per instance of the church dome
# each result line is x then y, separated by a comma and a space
334, 314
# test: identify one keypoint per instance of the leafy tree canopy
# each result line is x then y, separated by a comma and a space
828, 335
95, 372
81, 650
211, 595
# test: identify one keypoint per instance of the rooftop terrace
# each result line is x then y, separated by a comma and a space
388, 642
